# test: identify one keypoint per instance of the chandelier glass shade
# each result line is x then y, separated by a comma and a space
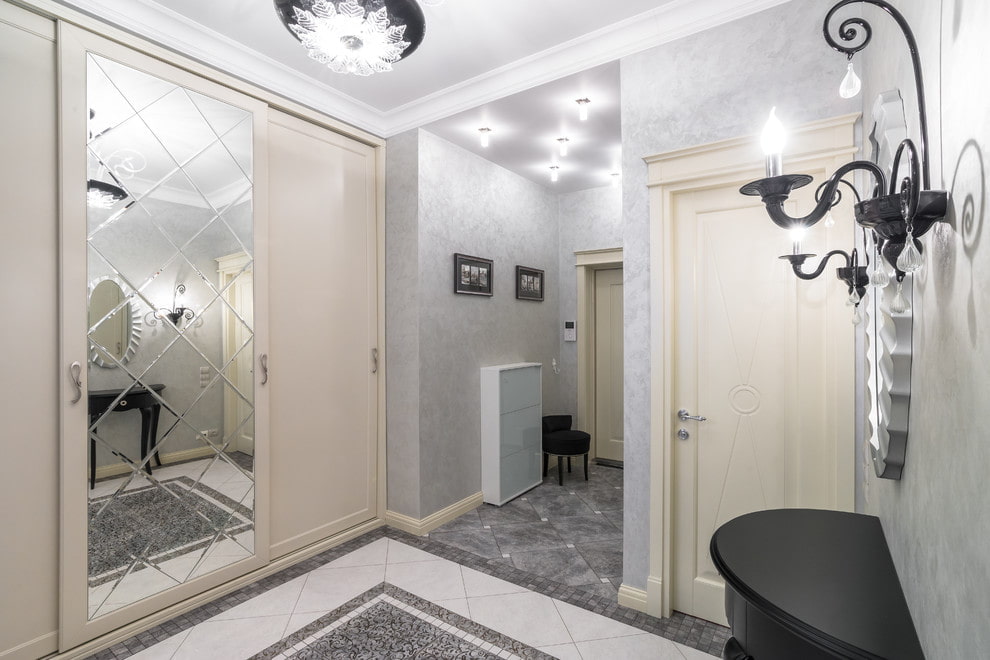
360, 37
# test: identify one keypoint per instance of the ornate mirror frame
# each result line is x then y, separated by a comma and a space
96, 356
889, 336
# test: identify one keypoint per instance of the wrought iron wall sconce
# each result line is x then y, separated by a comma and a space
174, 315
897, 214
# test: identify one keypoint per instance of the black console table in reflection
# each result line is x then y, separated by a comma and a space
137, 398
814, 585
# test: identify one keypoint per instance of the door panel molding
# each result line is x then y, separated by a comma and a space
822, 145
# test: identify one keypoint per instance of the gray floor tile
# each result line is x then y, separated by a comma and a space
561, 506
479, 541
586, 529
602, 499
614, 517
512, 512
602, 589
562, 565
469, 520
604, 557
519, 537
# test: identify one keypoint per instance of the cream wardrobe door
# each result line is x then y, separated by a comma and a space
324, 328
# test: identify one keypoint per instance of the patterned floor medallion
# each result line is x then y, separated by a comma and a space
387, 622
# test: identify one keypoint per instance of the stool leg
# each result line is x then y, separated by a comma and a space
546, 459
560, 470
585, 467
568, 465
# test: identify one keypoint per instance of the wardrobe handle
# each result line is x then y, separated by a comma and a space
75, 375
374, 360
264, 368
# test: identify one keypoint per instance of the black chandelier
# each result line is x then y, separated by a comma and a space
897, 214
360, 37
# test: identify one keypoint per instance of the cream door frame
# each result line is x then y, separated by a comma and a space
825, 144
587, 262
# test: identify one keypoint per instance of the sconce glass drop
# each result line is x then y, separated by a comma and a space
879, 278
854, 299
910, 259
857, 317
851, 84
899, 304
829, 220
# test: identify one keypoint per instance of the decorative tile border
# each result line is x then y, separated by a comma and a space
485, 639
681, 628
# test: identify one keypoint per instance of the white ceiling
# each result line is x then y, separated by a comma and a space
517, 65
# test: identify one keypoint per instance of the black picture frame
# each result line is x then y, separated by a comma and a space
472, 275
529, 283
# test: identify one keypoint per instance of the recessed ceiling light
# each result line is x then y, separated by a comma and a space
554, 173
563, 145
485, 134
583, 108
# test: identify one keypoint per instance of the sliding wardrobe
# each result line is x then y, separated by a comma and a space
204, 267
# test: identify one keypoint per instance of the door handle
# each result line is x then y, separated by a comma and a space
264, 368
374, 360
75, 375
683, 415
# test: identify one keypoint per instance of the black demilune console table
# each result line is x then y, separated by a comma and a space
137, 398
804, 584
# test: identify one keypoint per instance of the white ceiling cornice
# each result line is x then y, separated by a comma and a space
667, 23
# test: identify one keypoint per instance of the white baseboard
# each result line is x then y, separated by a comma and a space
38, 647
173, 457
632, 598
422, 527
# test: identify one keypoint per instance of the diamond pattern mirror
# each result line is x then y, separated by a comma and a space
170, 224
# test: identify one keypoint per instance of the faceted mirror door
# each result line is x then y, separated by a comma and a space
170, 474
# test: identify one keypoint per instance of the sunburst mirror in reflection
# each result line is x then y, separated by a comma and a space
171, 474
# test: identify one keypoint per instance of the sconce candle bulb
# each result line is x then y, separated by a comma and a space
583, 109
485, 136
554, 173
772, 142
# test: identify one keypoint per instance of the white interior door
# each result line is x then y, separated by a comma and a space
754, 350
324, 325
608, 364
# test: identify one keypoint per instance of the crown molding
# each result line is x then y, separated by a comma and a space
171, 30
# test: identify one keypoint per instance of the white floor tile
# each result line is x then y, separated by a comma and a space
373, 554
164, 649
240, 638
692, 654
457, 606
280, 600
400, 553
433, 580
531, 618
638, 647
479, 584
585, 626
328, 589
562, 651
302, 620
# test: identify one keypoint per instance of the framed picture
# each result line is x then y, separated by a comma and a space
472, 275
529, 283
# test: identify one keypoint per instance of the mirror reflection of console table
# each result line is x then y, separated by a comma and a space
137, 398
811, 584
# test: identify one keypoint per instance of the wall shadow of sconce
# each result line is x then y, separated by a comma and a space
176, 314
896, 216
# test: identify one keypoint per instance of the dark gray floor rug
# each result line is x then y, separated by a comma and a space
153, 525
387, 622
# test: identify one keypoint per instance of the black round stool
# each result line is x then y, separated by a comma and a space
560, 440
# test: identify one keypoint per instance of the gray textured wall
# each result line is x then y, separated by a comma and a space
589, 220
402, 322
463, 204
937, 518
711, 86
